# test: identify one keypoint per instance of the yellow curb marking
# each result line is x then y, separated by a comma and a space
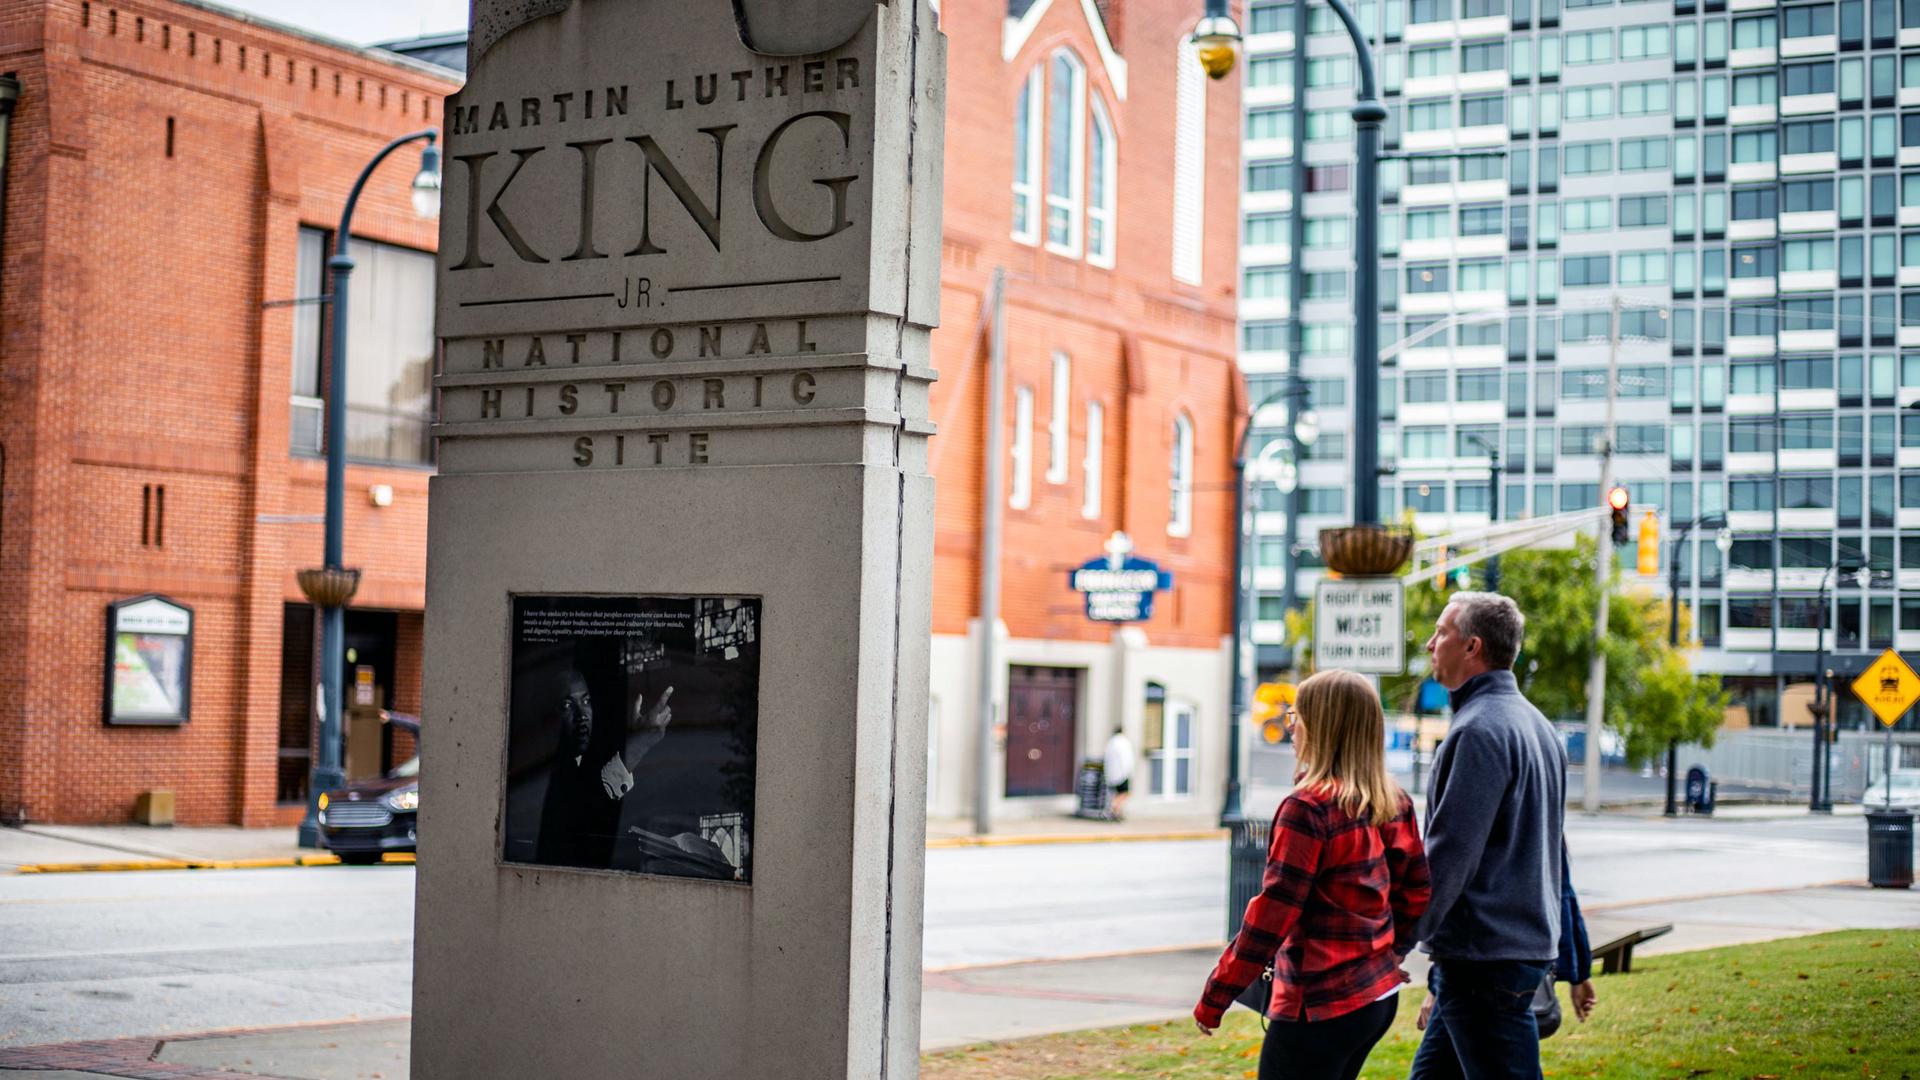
397, 858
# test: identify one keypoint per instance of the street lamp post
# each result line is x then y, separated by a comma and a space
333, 585
1709, 521
1303, 429
1820, 801
1368, 115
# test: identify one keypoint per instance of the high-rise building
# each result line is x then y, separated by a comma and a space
1732, 178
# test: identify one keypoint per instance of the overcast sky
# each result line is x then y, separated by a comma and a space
361, 21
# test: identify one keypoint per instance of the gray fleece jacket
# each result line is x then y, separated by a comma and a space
1495, 811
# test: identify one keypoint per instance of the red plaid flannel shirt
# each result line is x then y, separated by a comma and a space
1336, 911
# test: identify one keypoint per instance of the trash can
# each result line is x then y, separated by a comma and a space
1091, 788
1889, 848
1246, 867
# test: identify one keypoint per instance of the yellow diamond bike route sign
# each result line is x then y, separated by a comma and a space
1889, 687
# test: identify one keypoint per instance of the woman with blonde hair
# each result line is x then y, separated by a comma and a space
1346, 881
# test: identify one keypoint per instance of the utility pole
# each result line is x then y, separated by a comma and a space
990, 532
1603, 580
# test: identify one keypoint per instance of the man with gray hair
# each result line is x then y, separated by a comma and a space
1495, 810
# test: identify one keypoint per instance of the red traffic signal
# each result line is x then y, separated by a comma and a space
1617, 501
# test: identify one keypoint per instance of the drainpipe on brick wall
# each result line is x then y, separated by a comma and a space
9, 96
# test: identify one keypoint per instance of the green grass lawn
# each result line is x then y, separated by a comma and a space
1836, 1005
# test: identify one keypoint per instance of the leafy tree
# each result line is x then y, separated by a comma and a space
1653, 696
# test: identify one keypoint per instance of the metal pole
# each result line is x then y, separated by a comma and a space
1296, 296
1230, 807
1603, 579
328, 772
1887, 766
1231, 811
990, 556
1673, 642
1817, 801
1368, 115
1493, 515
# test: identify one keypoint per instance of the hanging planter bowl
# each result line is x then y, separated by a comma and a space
1366, 550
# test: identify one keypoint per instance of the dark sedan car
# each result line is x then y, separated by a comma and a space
363, 821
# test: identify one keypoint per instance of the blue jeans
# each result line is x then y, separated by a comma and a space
1482, 1025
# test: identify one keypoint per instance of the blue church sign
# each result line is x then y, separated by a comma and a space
1119, 587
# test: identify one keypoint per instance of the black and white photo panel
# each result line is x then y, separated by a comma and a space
630, 734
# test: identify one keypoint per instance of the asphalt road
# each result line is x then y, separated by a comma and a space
86, 956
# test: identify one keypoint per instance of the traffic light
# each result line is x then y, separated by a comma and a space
1649, 554
1617, 500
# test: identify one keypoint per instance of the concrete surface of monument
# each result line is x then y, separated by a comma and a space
679, 556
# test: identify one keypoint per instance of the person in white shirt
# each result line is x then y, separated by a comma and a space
1117, 762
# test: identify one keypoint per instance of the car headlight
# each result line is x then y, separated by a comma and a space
408, 799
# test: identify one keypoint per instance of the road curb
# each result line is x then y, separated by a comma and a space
936, 843
195, 864
1073, 838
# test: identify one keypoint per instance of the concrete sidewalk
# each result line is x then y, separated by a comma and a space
57, 848
74, 848
969, 1005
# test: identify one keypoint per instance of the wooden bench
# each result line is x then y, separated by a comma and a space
1616, 956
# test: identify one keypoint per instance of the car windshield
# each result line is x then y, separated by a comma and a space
1904, 782
409, 767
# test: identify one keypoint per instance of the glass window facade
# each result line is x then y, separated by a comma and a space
1735, 180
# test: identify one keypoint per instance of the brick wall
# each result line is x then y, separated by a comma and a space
136, 353
1144, 345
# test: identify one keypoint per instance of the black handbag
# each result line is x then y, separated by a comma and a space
1258, 993
1546, 1007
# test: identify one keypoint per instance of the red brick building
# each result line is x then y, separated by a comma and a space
1122, 393
173, 175
156, 413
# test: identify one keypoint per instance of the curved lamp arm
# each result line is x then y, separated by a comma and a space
353, 196
1369, 82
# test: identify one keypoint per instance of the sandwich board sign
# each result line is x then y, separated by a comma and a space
1360, 624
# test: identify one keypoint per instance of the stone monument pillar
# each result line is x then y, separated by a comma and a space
679, 559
